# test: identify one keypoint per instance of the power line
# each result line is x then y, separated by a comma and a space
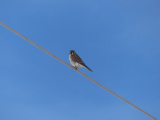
28, 40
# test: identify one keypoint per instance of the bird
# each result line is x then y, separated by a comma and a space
76, 61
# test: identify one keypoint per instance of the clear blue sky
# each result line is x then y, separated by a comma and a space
118, 39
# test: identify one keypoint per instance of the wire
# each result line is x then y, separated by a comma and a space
28, 40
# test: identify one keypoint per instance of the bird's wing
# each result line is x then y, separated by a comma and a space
76, 58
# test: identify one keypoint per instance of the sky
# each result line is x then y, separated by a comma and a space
118, 39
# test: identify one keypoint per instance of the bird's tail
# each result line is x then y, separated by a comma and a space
88, 68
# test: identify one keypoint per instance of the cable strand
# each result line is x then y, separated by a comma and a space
115, 94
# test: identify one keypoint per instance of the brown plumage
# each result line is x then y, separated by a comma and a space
76, 61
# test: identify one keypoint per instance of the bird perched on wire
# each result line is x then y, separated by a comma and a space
76, 61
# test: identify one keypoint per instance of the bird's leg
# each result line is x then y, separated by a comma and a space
75, 67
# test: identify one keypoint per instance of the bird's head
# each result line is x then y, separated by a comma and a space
72, 52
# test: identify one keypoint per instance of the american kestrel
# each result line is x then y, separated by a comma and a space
76, 61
